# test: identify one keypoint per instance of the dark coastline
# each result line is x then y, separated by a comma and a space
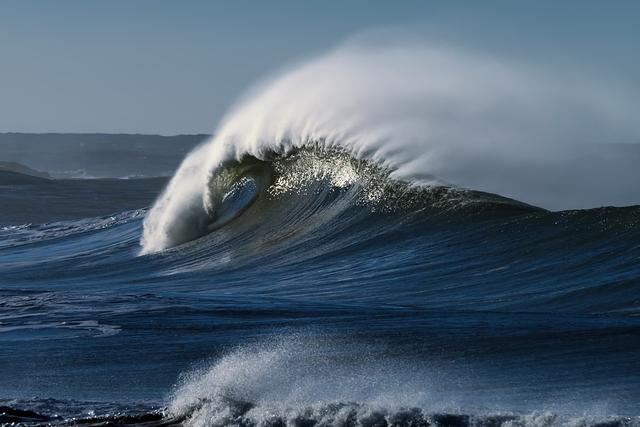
77, 155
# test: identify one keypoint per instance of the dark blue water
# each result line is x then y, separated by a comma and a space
326, 306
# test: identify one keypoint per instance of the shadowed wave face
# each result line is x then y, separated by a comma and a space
315, 266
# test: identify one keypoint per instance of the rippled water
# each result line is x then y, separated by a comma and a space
325, 293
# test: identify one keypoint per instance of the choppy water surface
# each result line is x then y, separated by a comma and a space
319, 291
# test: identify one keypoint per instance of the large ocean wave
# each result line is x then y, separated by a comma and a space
427, 116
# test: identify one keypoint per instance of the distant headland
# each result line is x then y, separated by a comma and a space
94, 155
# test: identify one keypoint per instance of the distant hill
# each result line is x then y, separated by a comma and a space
11, 179
22, 169
97, 155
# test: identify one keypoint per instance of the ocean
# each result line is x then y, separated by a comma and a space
386, 235
322, 291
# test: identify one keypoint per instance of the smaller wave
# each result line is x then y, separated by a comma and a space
296, 380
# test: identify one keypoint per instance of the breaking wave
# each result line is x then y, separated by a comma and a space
425, 116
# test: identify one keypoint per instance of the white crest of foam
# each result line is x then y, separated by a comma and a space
469, 119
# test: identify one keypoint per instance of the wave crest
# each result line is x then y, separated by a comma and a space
313, 181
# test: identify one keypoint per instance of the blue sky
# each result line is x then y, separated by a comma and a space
173, 67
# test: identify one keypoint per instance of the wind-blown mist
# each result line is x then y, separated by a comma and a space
550, 139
